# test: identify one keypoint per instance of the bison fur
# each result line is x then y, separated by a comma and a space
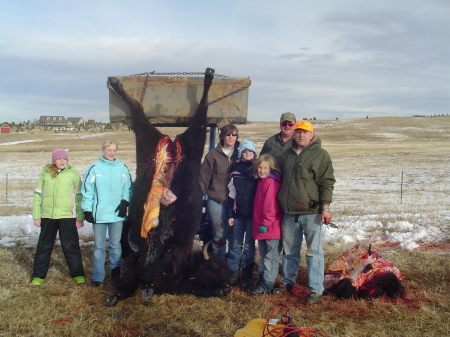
163, 260
362, 272
382, 285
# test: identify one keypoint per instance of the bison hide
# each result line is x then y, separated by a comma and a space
362, 273
166, 209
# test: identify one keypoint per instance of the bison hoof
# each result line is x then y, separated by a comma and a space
112, 300
147, 293
226, 291
113, 80
209, 72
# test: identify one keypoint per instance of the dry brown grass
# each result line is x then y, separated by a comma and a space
61, 308
368, 156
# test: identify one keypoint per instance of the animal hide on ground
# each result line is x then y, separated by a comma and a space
362, 273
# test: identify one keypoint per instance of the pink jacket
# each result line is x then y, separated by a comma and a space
266, 210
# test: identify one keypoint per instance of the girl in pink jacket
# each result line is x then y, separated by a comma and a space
267, 216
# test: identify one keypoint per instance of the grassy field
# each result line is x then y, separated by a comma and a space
370, 156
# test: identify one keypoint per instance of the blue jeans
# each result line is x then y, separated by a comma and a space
115, 248
242, 234
269, 260
310, 226
217, 214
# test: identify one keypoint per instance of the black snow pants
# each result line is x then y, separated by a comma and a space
68, 236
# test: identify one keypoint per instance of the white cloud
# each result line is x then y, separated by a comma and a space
343, 59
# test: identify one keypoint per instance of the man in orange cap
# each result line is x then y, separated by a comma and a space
305, 197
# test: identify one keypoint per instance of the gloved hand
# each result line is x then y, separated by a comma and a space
79, 224
37, 223
89, 217
122, 208
262, 229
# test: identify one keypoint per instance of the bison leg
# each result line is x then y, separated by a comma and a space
142, 127
112, 300
147, 293
193, 138
344, 289
129, 281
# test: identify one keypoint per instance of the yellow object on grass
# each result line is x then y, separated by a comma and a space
255, 328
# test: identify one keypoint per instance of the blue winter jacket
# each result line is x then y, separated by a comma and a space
106, 183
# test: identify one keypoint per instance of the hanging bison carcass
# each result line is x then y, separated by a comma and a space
166, 208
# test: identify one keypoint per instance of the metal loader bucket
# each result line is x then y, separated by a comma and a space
172, 100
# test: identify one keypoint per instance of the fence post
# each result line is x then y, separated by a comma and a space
212, 137
401, 190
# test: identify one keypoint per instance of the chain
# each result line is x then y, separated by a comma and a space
144, 88
154, 73
231, 93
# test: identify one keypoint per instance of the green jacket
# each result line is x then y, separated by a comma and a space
308, 179
58, 198
275, 147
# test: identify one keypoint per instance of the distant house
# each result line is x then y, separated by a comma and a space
91, 121
75, 121
5, 128
53, 121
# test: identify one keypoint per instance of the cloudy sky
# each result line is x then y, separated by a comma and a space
323, 59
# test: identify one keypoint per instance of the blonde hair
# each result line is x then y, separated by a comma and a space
269, 160
53, 170
109, 142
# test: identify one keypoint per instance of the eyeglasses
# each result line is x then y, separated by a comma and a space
286, 123
231, 134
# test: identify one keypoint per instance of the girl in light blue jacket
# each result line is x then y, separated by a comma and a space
106, 193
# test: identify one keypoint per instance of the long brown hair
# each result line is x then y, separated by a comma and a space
229, 128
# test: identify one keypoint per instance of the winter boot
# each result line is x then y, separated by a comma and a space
95, 284
283, 288
79, 279
115, 277
37, 281
234, 277
314, 298
247, 276
258, 290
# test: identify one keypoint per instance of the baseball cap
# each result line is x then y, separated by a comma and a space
288, 116
304, 125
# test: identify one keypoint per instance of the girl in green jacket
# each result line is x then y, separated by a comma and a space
57, 207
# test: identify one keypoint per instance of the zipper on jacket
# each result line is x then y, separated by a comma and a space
54, 194
289, 189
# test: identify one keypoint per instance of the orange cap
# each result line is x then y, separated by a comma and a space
304, 125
